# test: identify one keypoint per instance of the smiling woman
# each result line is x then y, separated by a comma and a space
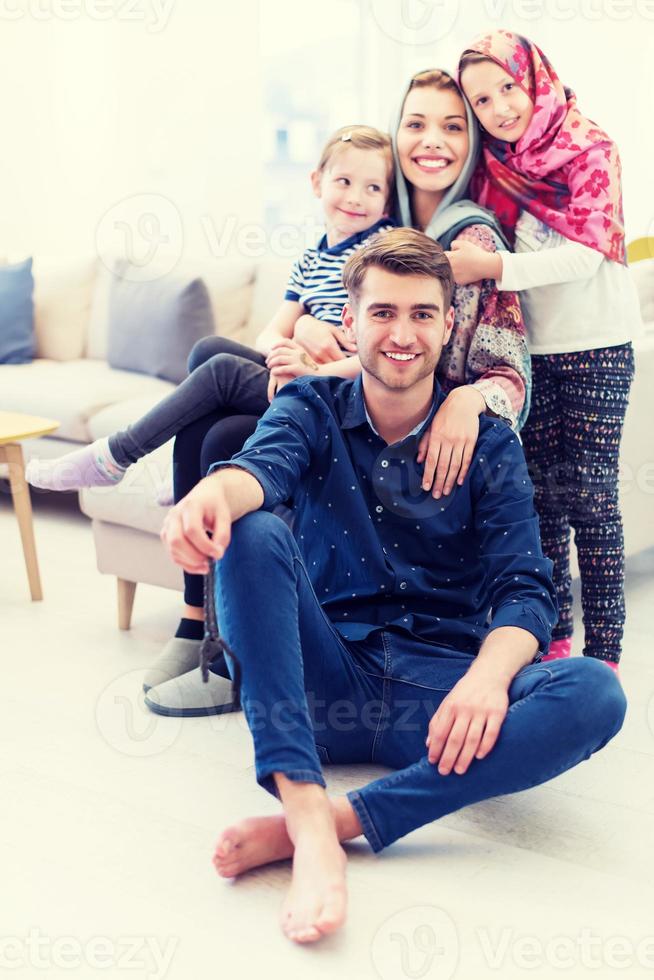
436, 145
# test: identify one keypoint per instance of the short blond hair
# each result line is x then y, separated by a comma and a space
363, 138
404, 252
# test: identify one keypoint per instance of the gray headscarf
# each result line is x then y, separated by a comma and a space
454, 212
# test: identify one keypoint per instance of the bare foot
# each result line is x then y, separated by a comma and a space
255, 841
261, 840
316, 902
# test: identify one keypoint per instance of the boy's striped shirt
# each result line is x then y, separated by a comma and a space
316, 278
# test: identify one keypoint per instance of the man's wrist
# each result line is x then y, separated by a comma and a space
504, 652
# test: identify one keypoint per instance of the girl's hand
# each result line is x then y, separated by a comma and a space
322, 341
448, 445
470, 263
275, 384
290, 359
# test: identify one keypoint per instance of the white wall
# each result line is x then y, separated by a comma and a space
163, 110
603, 49
160, 104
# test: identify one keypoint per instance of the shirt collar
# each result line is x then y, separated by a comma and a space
356, 412
353, 239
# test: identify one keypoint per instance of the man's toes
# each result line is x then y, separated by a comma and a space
226, 869
332, 915
330, 921
302, 934
225, 847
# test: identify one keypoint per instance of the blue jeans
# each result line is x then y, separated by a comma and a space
310, 696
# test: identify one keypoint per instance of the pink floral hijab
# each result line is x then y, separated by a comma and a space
564, 169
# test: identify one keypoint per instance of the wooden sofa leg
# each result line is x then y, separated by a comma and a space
126, 592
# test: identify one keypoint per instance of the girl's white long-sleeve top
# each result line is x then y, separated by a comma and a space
572, 297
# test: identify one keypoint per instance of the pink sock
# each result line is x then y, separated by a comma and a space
90, 466
559, 649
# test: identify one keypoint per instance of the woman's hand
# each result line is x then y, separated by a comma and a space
448, 446
470, 263
322, 341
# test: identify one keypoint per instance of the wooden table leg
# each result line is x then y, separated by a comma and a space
13, 455
126, 592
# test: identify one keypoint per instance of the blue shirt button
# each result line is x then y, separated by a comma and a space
403, 585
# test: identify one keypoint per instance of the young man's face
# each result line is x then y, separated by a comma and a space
400, 326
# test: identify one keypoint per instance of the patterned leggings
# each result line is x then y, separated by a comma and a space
572, 444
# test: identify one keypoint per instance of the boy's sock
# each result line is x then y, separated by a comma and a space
559, 649
190, 629
91, 466
193, 629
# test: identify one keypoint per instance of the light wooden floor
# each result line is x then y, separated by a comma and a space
109, 816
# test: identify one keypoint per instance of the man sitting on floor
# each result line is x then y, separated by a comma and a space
410, 624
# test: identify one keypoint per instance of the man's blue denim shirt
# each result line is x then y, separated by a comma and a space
381, 551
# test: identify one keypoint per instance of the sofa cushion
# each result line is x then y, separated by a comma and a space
154, 323
62, 306
72, 391
269, 289
16, 313
132, 502
229, 282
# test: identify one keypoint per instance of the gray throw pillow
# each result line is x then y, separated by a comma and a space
154, 324
16, 313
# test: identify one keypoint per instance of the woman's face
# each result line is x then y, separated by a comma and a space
432, 138
501, 106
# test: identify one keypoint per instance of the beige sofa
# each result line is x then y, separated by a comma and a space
71, 381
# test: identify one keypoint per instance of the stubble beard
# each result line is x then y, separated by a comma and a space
395, 381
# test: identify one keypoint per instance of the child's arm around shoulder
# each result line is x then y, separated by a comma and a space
472, 261
280, 327
474, 256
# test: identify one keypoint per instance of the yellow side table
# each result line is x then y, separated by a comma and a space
13, 427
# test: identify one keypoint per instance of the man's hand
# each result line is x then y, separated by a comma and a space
185, 531
448, 445
470, 263
468, 721
322, 341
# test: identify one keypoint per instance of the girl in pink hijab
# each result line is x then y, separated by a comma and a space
552, 177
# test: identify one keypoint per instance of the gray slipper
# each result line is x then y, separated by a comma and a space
188, 696
177, 657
